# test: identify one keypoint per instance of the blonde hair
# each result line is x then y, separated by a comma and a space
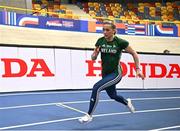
113, 26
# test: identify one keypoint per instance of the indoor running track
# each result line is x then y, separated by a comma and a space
59, 110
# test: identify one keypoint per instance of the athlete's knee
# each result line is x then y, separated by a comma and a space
96, 87
112, 96
94, 91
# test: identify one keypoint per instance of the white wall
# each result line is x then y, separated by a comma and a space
70, 69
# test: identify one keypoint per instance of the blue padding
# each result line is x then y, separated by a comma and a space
84, 26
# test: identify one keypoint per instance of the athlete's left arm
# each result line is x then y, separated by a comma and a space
134, 54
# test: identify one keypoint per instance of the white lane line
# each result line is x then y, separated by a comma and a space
87, 91
74, 118
81, 102
156, 98
44, 93
71, 108
38, 123
141, 111
26, 106
166, 128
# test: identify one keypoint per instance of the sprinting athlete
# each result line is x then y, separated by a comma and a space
111, 48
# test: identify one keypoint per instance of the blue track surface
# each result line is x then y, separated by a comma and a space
155, 109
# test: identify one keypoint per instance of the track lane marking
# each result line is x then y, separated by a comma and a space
166, 128
71, 108
89, 91
74, 118
81, 102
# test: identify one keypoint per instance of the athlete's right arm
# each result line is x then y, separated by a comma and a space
95, 53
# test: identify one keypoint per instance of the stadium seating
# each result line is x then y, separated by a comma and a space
133, 12
52, 8
139, 13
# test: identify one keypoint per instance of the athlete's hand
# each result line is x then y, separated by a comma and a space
95, 53
139, 74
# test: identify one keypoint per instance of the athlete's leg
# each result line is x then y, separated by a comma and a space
107, 81
111, 91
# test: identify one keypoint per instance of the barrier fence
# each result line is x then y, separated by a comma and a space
91, 25
32, 69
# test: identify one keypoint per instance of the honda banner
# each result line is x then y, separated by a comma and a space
32, 69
